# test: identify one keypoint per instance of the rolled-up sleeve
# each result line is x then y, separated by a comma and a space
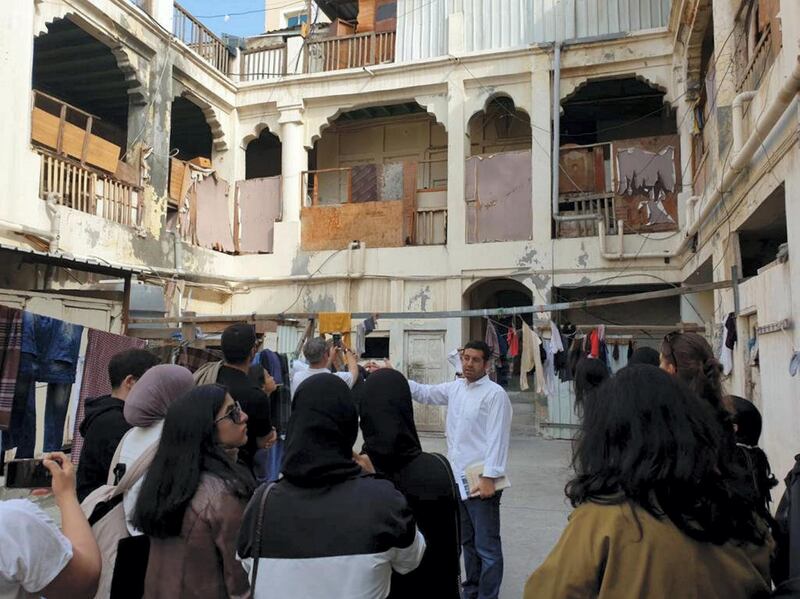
437, 395
497, 435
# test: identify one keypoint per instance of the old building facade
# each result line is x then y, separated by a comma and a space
400, 159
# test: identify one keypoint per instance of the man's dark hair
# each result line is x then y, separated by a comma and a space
480, 346
645, 355
133, 362
238, 340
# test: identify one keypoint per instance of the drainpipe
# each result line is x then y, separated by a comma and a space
771, 115
737, 114
556, 145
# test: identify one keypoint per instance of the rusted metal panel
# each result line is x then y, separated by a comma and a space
647, 181
499, 197
378, 224
582, 169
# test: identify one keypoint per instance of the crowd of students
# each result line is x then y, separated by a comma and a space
670, 490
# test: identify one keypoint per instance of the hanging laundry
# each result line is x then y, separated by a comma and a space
630, 349
555, 338
335, 322
491, 339
193, 358
513, 342
102, 346
271, 362
594, 344
527, 361
562, 359
538, 360
615, 352
731, 337
10, 350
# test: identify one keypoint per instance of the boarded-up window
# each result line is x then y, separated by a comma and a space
498, 195
365, 183
258, 207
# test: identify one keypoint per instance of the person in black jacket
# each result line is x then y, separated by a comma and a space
327, 529
426, 480
104, 425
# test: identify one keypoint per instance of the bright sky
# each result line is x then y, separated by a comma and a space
242, 25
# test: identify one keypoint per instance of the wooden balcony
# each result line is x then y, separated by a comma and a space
350, 51
263, 62
200, 39
89, 190
762, 57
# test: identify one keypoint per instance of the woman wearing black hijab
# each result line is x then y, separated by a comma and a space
426, 480
326, 529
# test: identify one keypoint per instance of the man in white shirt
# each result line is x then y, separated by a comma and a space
478, 431
319, 354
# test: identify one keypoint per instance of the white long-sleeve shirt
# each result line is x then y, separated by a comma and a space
478, 423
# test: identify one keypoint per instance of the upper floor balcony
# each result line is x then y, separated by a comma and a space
364, 33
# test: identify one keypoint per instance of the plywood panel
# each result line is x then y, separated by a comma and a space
378, 224
176, 172
100, 152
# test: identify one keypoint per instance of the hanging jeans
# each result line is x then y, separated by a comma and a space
483, 552
22, 433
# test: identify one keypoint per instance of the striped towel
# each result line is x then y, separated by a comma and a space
10, 350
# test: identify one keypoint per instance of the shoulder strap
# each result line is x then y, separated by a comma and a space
115, 459
256, 538
137, 470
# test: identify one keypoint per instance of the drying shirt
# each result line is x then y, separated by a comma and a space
33, 551
301, 375
478, 423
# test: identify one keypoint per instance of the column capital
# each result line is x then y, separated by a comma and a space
291, 113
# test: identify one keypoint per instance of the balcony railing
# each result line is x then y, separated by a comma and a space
592, 205
88, 190
263, 63
352, 51
762, 57
200, 39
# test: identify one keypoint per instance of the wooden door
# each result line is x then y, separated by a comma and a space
426, 363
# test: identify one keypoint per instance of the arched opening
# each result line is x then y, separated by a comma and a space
263, 156
392, 157
497, 177
500, 127
619, 158
190, 134
499, 293
81, 78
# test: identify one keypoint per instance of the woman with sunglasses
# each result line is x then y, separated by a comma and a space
193, 498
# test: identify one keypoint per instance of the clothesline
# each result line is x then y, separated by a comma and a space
485, 312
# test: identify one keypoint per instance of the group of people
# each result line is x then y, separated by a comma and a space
671, 493
171, 454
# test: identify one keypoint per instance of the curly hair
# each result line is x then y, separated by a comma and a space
646, 439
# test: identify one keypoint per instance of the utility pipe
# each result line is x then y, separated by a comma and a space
556, 145
771, 115
737, 114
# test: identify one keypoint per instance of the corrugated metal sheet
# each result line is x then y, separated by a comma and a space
497, 24
421, 29
289, 336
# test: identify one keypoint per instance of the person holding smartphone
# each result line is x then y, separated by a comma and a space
36, 558
320, 355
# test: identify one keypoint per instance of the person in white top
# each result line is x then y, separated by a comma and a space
320, 355
478, 431
36, 558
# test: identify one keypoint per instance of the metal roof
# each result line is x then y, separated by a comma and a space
347, 10
70, 261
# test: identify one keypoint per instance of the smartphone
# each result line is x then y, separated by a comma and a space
337, 340
27, 474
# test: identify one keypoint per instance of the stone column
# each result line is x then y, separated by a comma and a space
162, 11
541, 130
294, 160
457, 146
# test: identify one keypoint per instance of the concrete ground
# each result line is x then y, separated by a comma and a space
533, 511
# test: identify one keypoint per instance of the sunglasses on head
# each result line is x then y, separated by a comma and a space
235, 414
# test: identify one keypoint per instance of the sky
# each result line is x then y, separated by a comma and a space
243, 25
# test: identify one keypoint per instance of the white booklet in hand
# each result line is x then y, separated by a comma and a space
471, 476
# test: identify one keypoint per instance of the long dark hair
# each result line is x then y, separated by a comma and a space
590, 373
187, 449
646, 439
695, 364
